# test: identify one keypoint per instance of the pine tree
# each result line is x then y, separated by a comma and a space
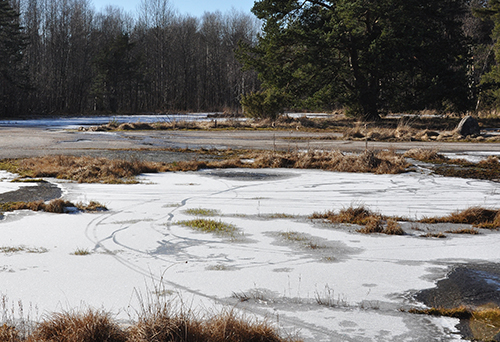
368, 56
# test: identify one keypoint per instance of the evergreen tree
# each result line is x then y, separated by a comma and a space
490, 81
12, 44
117, 69
369, 56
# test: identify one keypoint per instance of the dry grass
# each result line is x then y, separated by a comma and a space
484, 322
81, 251
380, 163
353, 214
460, 312
477, 216
439, 235
393, 228
89, 326
470, 231
101, 170
92, 206
9, 333
283, 122
183, 327
360, 215
157, 322
57, 206
373, 225
430, 156
84, 169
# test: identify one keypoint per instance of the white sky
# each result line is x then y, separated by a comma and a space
193, 7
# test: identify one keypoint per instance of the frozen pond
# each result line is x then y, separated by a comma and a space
139, 245
75, 122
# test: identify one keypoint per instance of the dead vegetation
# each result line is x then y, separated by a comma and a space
360, 215
404, 133
483, 322
334, 122
488, 169
476, 216
82, 169
420, 127
101, 170
372, 222
157, 325
57, 206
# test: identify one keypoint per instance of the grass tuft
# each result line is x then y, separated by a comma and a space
393, 228
373, 224
202, 212
92, 206
211, 226
360, 215
94, 326
81, 251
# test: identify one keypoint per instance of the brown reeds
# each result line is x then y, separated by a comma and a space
85, 169
9, 333
101, 170
226, 326
157, 325
360, 215
58, 206
89, 326
459, 312
476, 216
431, 156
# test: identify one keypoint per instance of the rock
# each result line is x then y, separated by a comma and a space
468, 126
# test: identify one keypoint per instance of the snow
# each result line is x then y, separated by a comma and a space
137, 246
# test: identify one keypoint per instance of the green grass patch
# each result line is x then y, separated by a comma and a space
211, 226
202, 212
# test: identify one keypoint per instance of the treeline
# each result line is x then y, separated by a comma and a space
65, 58
375, 57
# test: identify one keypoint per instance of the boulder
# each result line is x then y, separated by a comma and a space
468, 126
